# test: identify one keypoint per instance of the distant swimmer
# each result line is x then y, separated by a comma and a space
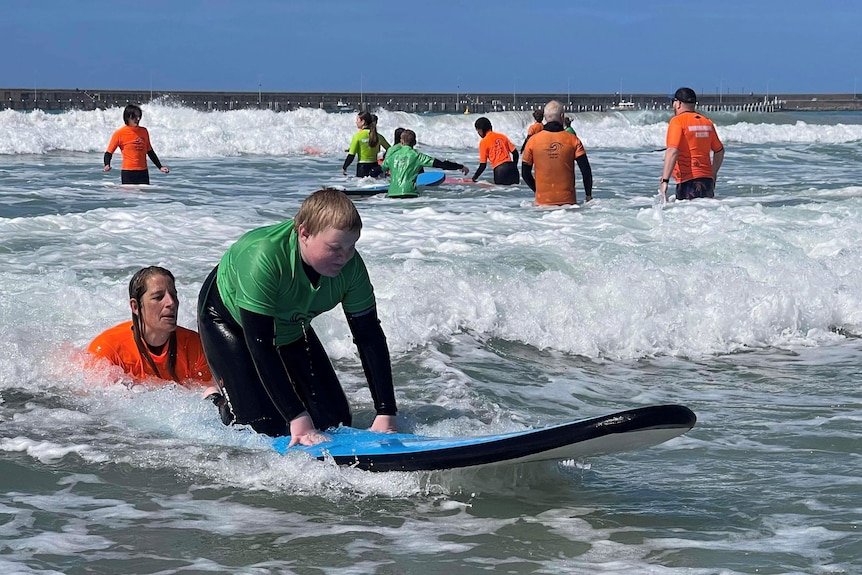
404, 164
366, 143
134, 143
500, 151
152, 345
691, 137
554, 153
569, 128
535, 127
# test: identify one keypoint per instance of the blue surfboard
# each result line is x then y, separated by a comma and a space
423, 180
621, 431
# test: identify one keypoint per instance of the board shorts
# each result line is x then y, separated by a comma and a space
506, 174
135, 177
696, 188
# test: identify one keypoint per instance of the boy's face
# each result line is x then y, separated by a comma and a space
327, 251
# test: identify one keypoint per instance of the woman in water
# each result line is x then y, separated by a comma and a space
151, 345
134, 143
367, 143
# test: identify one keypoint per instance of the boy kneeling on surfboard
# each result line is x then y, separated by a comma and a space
254, 318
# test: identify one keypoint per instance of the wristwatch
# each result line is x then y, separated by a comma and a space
665, 180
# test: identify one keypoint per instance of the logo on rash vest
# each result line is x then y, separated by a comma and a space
554, 149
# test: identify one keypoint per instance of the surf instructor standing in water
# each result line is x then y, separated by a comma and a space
254, 318
134, 143
691, 137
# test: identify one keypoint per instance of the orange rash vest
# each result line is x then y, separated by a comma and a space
552, 155
496, 148
117, 345
134, 143
694, 136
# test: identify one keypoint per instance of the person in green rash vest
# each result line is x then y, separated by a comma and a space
404, 164
255, 313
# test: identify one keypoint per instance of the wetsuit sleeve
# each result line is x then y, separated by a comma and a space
446, 165
515, 157
374, 354
155, 159
527, 174
479, 171
259, 333
586, 174
347, 161
107, 159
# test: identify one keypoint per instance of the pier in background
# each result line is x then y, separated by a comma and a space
51, 100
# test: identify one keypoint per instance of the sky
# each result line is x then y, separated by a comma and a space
439, 46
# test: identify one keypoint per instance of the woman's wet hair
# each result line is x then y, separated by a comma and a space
398, 132
137, 289
538, 115
328, 208
370, 121
132, 111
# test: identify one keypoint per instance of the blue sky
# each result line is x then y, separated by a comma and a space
526, 46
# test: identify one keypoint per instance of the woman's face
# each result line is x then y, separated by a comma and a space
327, 251
359, 123
158, 309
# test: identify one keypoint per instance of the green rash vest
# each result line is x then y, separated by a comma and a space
359, 146
262, 272
404, 163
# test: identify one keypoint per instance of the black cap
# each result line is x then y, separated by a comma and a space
685, 95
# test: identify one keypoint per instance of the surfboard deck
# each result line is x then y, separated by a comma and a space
613, 433
423, 180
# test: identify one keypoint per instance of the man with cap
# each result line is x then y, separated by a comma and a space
691, 137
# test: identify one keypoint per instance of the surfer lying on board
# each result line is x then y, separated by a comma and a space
500, 151
254, 316
367, 143
404, 164
134, 143
152, 345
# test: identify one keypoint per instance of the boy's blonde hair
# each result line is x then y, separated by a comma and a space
328, 208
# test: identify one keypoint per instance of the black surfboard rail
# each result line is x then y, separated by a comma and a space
510, 448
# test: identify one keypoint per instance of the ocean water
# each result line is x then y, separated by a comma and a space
500, 316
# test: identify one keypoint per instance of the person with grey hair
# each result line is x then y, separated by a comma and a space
691, 137
554, 153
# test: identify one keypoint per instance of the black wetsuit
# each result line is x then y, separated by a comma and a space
135, 176
506, 174
242, 362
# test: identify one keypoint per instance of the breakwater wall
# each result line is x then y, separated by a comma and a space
52, 100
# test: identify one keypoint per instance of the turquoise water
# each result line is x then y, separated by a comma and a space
500, 316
